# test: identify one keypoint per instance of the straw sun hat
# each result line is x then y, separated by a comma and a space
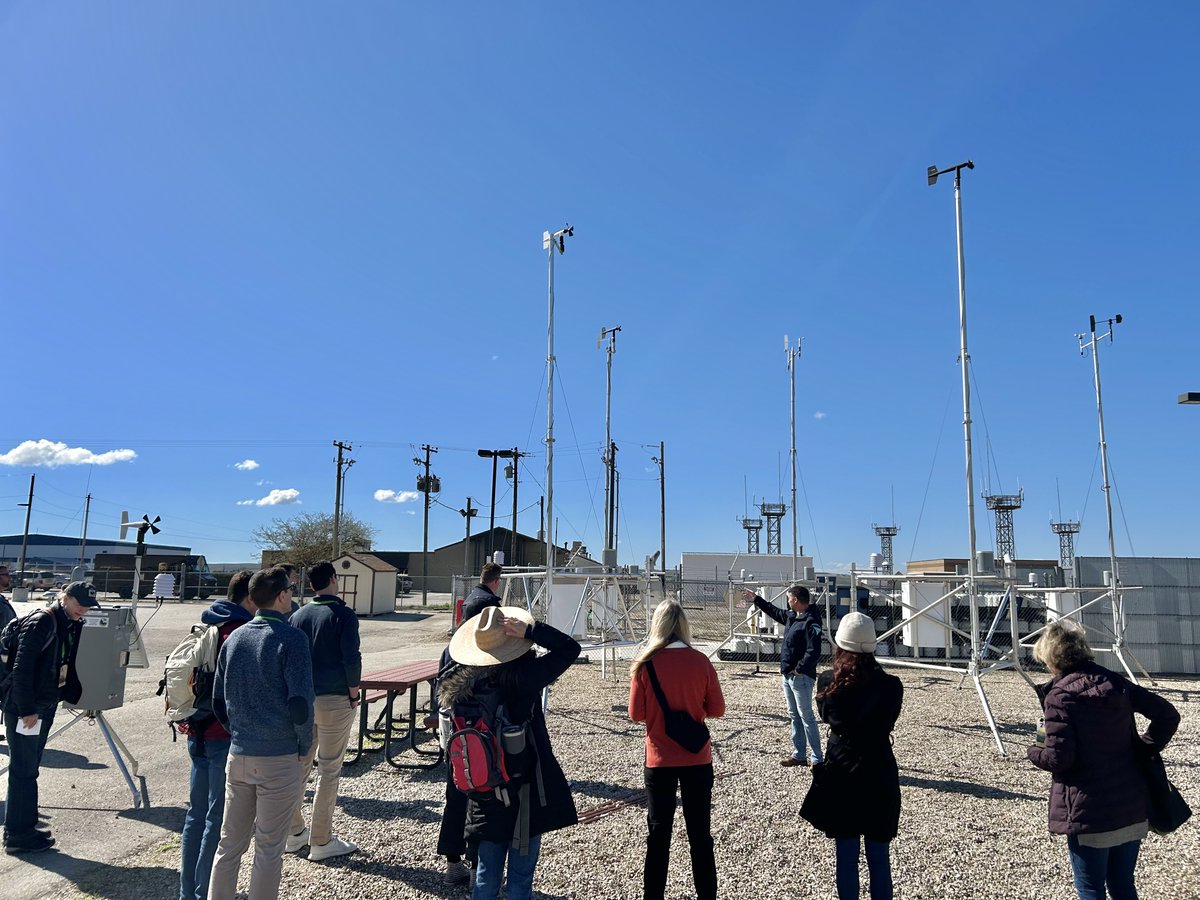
481, 641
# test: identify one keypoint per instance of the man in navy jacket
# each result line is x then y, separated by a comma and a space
332, 631
798, 662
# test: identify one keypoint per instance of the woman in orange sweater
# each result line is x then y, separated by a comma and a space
689, 684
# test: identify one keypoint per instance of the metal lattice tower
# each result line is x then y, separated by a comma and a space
886, 533
1003, 505
1066, 532
773, 513
753, 527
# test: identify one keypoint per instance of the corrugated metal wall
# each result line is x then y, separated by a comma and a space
1163, 617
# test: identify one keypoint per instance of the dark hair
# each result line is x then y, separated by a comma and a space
266, 585
239, 586
321, 574
491, 572
287, 567
849, 670
800, 592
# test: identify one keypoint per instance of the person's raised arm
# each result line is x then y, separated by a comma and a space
563, 648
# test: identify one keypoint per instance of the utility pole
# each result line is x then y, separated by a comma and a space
25, 537
610, 459
542, 518
337, 496
512, 472
793, 354
550, 243
662, 504
468, 514
493, 455
87, 508
426, 484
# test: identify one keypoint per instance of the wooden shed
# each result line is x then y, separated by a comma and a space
366, 583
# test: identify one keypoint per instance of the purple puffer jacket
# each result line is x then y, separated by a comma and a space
1089, 748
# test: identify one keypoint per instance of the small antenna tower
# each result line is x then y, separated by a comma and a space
773, 513
1003, 505
1066, 532
753, 527
886, 533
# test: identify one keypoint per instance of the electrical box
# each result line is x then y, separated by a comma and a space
105, 644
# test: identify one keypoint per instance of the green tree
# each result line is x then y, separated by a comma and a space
307, 538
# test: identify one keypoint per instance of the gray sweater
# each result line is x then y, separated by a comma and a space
263, 692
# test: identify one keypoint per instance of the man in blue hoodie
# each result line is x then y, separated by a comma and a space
798, 657
263, 693
208, 748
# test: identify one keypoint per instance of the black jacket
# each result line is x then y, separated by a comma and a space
477, 601
858, 785
801, 648
48, 639
521, 684
332, 631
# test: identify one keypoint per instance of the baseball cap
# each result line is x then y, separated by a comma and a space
83, 592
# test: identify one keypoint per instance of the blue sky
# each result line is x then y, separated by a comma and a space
237, 232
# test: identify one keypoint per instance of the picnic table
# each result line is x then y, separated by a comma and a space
387, 685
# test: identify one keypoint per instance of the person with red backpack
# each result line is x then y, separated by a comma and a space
208, 749
516, 789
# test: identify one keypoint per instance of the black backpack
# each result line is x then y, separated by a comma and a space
10, 642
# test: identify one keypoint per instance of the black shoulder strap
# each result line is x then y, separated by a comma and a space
658, 691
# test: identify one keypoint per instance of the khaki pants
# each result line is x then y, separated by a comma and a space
260, 792
333, 718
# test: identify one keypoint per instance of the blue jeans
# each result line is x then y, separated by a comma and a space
1096, 868
490, 869
798, 691
879, 867
24, 759
206, 810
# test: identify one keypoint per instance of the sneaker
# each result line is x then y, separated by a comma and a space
35, 844
335, 847
296, 842
792, 761
456, 873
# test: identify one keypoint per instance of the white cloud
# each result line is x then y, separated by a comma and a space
55, 453
818, 414
246, 465
494, 358
263, 482
277, 497
386, 496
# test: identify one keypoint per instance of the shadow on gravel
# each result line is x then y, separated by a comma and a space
623, 732
1019, 730
603, 789
166, 817
63, 759
423, 811
965, 787
97, 879
401, 617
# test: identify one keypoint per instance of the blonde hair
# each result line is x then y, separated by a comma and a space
669, 624
1062, 646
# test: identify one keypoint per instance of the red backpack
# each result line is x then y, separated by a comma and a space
474, 744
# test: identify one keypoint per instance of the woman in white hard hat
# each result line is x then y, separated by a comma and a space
855, 794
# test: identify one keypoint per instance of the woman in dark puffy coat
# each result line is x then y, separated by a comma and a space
855, 794
1098, 797
496, 648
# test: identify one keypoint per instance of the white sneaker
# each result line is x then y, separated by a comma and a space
456, 873
296, 842
335, 847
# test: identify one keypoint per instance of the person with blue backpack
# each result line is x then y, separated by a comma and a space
501, 753
208, 749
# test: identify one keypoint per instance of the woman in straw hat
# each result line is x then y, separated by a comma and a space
689, 683
494, 650
855, 794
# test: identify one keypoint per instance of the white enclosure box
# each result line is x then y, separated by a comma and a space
1061, 603
927, 630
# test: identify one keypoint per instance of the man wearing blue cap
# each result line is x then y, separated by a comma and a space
43, 673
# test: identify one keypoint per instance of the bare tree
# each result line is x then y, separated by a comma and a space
307, 538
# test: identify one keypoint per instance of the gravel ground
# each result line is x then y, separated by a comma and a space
973, 822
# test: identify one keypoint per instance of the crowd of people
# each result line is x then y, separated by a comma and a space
286, 688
